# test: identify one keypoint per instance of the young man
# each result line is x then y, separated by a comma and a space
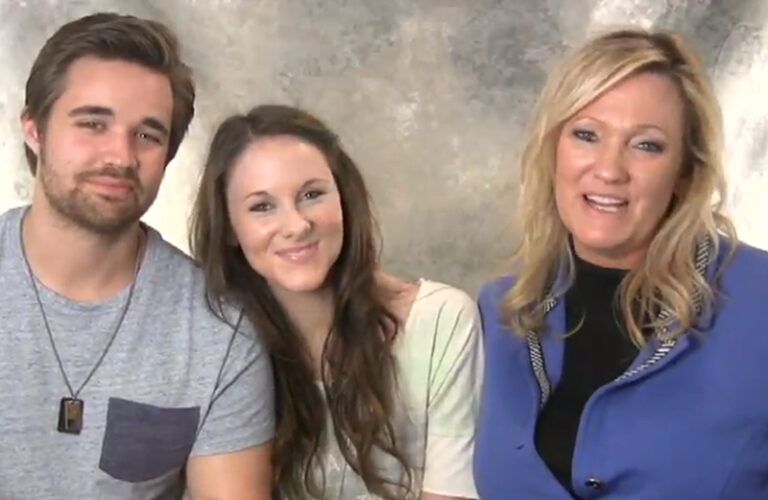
117, 379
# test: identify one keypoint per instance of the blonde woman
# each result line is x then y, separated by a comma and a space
625, 354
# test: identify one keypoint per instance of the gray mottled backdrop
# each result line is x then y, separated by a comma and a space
430, 97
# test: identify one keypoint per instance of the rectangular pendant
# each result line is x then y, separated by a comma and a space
71, 415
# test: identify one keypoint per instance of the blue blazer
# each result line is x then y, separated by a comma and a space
691, 425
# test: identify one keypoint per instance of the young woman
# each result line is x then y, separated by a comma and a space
377, 378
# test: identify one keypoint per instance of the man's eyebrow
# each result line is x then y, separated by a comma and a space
90, 110
156, 125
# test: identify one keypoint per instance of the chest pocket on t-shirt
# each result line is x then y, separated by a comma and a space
142, 442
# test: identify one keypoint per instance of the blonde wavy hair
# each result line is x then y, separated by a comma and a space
667, 279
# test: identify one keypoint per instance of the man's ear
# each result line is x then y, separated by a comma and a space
32, 132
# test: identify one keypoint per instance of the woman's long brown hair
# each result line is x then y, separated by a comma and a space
357, 367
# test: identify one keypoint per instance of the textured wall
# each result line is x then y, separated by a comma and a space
430, 97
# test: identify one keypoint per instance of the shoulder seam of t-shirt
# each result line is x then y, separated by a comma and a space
215, 392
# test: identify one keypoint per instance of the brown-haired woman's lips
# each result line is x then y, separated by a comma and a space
299, 253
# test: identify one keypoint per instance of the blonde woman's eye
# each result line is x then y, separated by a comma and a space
584, 135
651, 146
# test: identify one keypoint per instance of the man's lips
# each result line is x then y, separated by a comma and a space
111, 185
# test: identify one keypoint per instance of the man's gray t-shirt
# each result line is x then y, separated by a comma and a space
177, 381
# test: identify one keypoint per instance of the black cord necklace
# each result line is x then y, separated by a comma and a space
71, 408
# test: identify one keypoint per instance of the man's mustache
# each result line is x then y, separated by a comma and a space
123, 174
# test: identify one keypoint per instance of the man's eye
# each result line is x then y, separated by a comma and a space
144, 136
91, 125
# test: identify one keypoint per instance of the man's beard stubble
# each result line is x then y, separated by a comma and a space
90, 211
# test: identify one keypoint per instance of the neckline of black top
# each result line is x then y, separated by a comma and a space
588, 270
